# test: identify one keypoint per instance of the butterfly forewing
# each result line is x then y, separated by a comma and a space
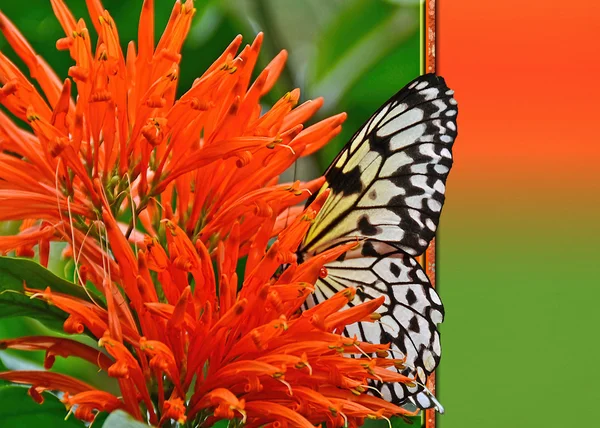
388, 183
387, 190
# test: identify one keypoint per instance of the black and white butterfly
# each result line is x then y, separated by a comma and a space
387, 191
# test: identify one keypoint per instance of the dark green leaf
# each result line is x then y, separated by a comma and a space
38, 277
121, 419
17, 409
223, 423
397, 422
15, 273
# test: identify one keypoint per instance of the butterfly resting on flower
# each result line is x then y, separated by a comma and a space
386, 193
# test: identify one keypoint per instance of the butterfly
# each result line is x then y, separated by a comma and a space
387, 190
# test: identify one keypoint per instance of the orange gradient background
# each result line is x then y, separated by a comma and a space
518, 257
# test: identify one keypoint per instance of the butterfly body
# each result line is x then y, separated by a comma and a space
387, 189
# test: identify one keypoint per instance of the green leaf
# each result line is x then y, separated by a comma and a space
372, 89
223, 423
15, 273
397, 422
360, 37
17, 409
354, 22
121, 419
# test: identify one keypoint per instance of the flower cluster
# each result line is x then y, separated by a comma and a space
158, 198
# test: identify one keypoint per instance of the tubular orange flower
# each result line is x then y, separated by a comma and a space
158, 199
88, 402
55, 346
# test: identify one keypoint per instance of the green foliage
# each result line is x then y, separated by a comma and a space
348, 29
15, 274
366, 54
121, 419
397, 422
17, 409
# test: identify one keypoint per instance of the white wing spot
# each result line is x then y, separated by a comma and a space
422, 85
434, 205
430, 93
440, 105
436, 316
441, 169
342, 159
434, 297
414, 201
404, 120
451, 113
406, 137
437, 349
395, 162
375, 121
419, 169
428, 360
439, 185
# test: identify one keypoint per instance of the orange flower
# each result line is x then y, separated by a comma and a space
54, 347
158, 199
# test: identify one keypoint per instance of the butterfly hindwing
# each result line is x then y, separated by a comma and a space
387, 190
388, 183
409, 315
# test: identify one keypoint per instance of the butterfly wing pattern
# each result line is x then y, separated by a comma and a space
387, 190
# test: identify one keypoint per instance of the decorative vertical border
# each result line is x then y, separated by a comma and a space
430, 254
429, 42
